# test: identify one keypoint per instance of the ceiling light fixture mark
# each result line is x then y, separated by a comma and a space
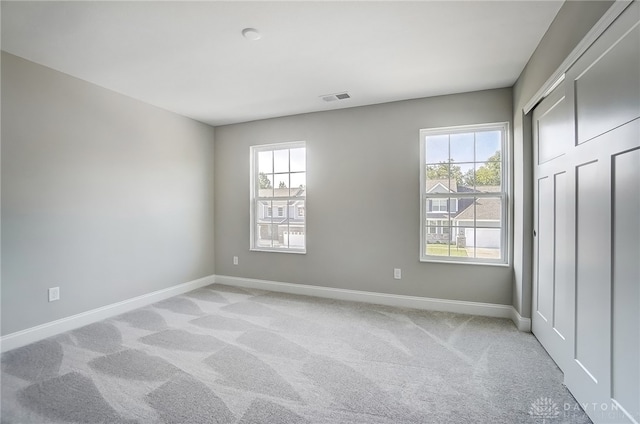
251, 34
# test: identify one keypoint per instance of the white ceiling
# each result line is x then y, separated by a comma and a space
190, 57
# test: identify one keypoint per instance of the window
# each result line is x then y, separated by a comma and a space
278, 190
463, 183
439, 205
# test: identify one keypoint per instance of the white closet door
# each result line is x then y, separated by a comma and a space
604, 83
587, 267
553, 292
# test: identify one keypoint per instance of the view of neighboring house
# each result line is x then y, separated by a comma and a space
463, 221
281, 222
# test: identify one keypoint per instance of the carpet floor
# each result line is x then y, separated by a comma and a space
222, 354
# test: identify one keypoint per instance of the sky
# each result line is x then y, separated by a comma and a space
284, 161
462, 147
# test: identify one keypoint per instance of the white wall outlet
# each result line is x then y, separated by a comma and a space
397, 273
235, 260
54, 294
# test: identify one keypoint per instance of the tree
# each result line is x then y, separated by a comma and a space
264, 181
489, 174
282, 185
444, 171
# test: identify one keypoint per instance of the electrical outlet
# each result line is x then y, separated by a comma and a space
235, 260
397, 273
54, 294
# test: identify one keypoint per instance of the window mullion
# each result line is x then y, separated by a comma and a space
469, 194
266, 229
479, 215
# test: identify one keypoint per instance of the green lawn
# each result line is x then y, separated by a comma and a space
443, 250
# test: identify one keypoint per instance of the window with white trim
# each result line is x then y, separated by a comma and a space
464, 194
278, 194
439, 205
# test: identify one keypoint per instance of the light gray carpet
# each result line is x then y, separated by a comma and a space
227, 355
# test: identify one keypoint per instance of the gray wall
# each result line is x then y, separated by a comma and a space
573, 22
102, 195
110, 198
363, 200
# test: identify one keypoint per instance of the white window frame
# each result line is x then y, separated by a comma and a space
254, 199
440, 202
505, 248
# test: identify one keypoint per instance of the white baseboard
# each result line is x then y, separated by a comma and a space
40, 332
523, 324
415, 302
33, 334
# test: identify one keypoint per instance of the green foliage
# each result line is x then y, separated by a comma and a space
282, 185
443, 250
441, 171
264, 181
489, 174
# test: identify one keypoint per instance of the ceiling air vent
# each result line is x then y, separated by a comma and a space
334, 97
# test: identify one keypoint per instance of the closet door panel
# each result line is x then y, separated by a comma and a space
592, 271
564, 293
607, 92
626, 282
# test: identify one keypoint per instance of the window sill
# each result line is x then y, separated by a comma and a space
442, 261
265, 249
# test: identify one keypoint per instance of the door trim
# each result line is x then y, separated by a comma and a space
605, 21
